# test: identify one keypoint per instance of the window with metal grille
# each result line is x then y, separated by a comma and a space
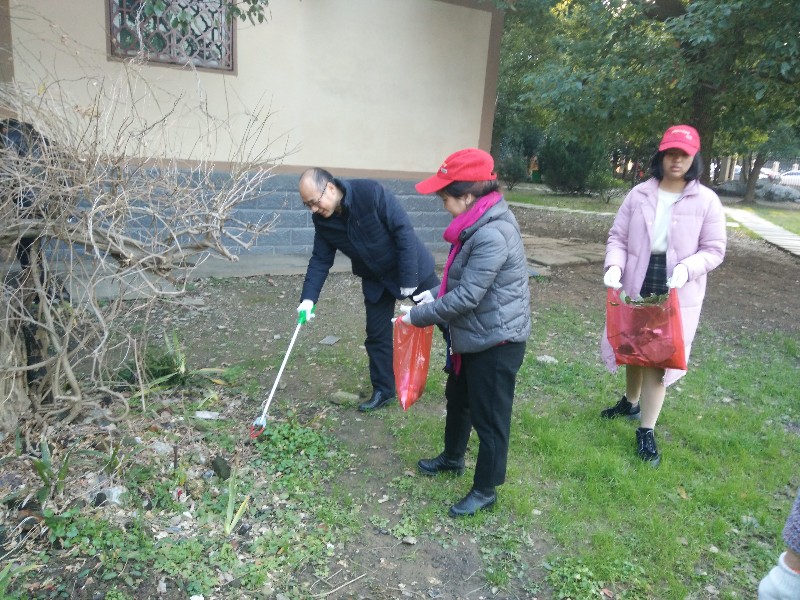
173, 31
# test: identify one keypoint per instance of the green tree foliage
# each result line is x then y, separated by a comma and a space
519, 122
252, 10
246, 10
627, 69
570, 166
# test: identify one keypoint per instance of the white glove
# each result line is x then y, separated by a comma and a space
406, 310
305, 307
680, 275
406, 292
612, 277
780, 583
423, 298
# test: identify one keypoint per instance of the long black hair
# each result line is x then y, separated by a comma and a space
657, 167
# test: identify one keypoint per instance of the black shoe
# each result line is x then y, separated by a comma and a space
623, 408
473, 502
440, 464
646, 446
378, 399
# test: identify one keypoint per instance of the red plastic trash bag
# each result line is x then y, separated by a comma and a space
644, 333
412, 354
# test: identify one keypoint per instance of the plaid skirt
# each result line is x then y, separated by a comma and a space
655, 280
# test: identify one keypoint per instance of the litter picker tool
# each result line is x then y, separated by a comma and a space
260, 424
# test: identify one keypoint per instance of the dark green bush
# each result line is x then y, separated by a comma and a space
512, 167
568, 167
603, 183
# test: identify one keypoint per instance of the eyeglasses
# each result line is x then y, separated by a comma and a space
315, 203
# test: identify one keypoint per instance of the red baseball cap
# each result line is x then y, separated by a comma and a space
470, 164
683, 137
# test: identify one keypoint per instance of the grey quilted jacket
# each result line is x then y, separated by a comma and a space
488, 299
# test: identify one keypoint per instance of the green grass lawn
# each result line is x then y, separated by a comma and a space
709, 518
575, 202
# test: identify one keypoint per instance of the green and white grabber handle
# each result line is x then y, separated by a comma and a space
260, 424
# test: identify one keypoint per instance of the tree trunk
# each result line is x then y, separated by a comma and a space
14, 400
752, 178
705, 125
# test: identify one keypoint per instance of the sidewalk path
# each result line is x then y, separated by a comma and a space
769, 232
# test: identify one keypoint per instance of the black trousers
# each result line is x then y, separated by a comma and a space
481, 396
380, 336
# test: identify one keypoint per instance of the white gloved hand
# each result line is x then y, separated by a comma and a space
612, 277
680, 275
406, 292
781, 582
406, 310
305, 307
423, 298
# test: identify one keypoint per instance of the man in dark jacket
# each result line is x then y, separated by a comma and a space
366, 222
20, 141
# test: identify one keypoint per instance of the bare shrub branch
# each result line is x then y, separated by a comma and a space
107, 222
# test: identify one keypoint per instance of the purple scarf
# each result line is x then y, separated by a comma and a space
453, 235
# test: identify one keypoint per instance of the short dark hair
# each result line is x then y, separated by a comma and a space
657, 167
319, 176
457, 189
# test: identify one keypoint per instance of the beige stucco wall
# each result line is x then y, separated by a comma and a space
371, 86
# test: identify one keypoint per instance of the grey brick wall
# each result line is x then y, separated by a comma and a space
294, 233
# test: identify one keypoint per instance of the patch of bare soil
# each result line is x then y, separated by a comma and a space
251, 319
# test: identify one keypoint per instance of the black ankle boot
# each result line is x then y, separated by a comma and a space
377, 400
646, 446
473, 502
440, 464
623, 408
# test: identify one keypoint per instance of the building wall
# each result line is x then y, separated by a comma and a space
381, 87
364, 88
294, 231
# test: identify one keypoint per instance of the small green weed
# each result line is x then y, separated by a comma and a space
406, 527
291, 448
189, 560
9, 573
572, 579
61, 527
53, 478
116, 594
232, 515
165, 367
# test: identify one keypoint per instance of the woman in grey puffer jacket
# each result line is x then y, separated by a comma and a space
484, 299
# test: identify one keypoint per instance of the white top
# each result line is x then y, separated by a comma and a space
663, 217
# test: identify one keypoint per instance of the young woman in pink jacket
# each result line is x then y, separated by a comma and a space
668, 233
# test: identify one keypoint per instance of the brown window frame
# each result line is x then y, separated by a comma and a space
177, 32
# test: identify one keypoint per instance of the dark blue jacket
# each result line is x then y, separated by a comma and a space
25, 173
376, 235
